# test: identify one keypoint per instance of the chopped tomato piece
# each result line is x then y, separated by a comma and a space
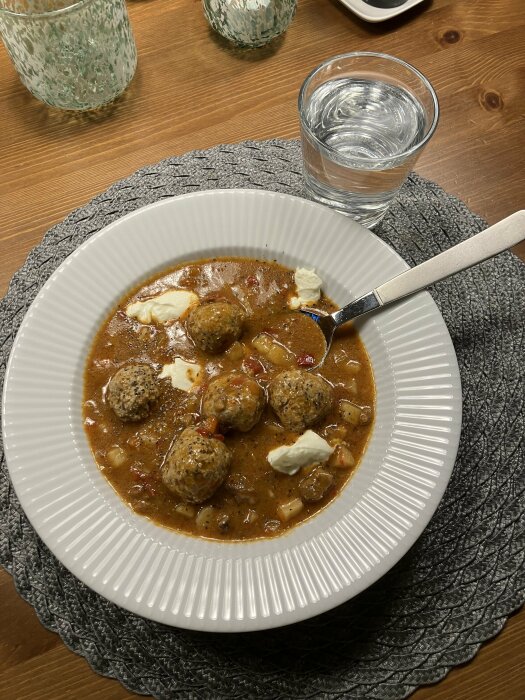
208, 426
147, 482
252, 365
305, 360
150, 489
252, 281
137, 474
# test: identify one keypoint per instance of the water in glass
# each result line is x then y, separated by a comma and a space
360, 125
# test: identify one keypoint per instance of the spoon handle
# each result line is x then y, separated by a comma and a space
482, 246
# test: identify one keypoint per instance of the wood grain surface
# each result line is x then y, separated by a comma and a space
193, 90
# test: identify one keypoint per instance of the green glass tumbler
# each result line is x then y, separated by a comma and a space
249, 23
74, 55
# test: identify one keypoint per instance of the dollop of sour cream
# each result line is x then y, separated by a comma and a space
168, 306
183, 375
308, 288
307, 449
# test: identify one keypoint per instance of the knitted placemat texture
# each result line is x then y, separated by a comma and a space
452, 591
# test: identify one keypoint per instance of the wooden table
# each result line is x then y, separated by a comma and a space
192, 90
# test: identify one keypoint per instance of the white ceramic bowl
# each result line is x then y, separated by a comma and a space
209, 585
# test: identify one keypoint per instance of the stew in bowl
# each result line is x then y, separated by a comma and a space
200, 408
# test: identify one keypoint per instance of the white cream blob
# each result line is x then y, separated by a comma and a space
307, 449
168, 306
308, 288
183, 375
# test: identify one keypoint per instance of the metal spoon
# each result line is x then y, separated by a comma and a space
482, 246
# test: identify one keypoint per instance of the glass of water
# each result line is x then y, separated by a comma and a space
365, 118
71, 54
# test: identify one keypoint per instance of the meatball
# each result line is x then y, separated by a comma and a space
299, 398
196, 465
132, 391
235, 400
215, 326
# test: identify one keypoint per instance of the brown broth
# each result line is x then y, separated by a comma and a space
263, 289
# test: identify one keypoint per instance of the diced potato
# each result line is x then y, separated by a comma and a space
342, 458
205, 516
149, 439
116, 456
352, 386
262, 343
144, 333
185, 509
273, 351
235, 352
134, 441
333, 433
287, 511
366, 415
280, 356
349, 412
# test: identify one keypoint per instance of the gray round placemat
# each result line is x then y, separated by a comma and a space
455, 587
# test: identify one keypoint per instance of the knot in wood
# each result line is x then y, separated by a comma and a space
450, 36
491, 100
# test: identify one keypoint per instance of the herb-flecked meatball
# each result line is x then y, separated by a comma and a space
235, 399
300, 399
196, 465
213, 327
132, 391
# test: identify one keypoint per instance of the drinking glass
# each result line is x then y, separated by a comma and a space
365, 118
71, 54
249, 23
